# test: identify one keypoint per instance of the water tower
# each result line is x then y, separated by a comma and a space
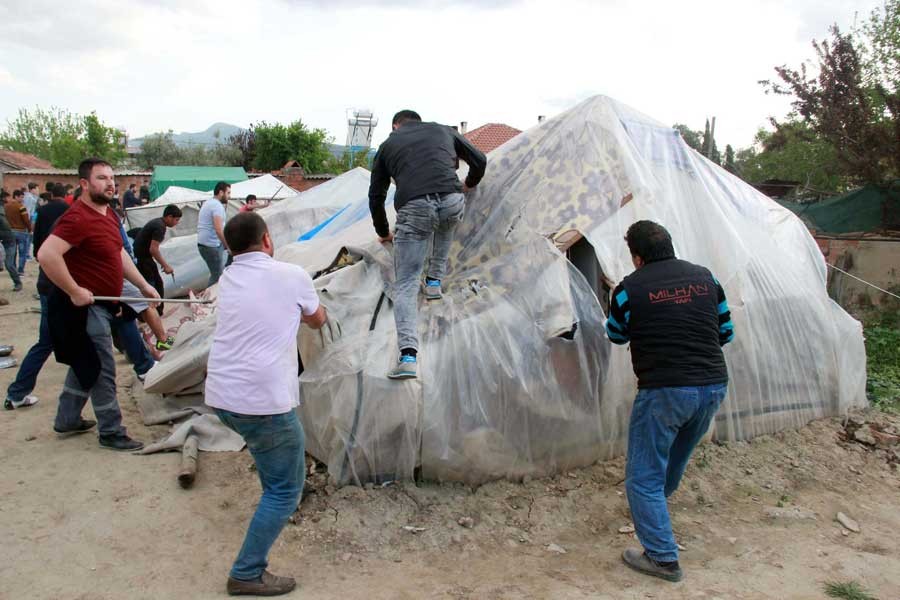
361, 123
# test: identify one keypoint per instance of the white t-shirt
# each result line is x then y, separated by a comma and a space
206, 229
252, 368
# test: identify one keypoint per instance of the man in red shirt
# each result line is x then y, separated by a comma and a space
84, 257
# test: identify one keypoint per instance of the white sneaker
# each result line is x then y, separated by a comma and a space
29, 400
143, 375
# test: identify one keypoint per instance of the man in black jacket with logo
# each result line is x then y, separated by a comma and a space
676, 317
422, 160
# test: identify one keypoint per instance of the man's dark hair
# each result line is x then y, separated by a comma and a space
58, 190
650, 241
88, 164
406, 115
131, 186
69, 186
244, 231
48, 187
221, 187
250, 198
45, 196
31, 185
18, 193
172, 211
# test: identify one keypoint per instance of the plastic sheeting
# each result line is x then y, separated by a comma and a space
263, 187
516, 375
286, 219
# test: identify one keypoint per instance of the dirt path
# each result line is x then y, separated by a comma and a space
80, 522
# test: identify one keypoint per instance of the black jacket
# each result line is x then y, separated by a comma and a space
676, 317
43, 227
422, 159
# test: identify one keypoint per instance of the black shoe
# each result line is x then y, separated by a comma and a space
121, 442
640, 562
85, 425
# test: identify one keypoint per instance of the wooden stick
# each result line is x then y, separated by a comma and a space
143, 299
188, 462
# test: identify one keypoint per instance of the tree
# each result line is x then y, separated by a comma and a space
729, 159
245, 142
345, 163
161, 149
690, 137
708, 145
63, 138
848, 105
275, 144
792, 153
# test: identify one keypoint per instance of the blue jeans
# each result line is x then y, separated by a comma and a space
22, 239
666, 425
422, 221
133, 344
9, 261
26, 378
276, 443
215, 262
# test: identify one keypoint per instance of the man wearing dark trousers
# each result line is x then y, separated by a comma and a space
676, 317
84, 257
146, 248
19, 395
422, 159
251, 383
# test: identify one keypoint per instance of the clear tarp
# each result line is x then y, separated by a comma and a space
264, 187
287, 219
516, 375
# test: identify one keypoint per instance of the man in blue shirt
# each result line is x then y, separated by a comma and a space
676, 318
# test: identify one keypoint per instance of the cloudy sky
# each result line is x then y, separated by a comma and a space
151, 65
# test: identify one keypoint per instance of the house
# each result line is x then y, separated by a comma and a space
22, 177
293, 175
489, 136
11, 160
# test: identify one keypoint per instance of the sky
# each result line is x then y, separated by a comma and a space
155, 65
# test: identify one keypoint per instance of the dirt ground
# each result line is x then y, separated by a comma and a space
756, 520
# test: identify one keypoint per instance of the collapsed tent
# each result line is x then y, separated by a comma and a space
516, 375
264, 187
287, 219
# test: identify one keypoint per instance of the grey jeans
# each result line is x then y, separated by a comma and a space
103, 394
422, 221
215, 261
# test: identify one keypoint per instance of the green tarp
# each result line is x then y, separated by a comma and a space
866, 209
203, 179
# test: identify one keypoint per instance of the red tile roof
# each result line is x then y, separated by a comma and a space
490, 136
20, 160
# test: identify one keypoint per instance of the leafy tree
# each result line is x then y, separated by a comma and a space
729, 159
345, 163
849, 106
275, 144
63, 138
161, 149
245, 142
690, 137
794, 153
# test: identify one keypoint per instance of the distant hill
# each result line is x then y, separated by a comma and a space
205, 138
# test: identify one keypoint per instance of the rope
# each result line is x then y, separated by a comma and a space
864, 281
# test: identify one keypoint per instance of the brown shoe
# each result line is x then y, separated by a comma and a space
266, 585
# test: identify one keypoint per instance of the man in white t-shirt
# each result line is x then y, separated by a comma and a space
252, 384
210, 231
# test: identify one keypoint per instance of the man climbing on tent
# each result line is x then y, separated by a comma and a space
252, 385
422, 160
676, 317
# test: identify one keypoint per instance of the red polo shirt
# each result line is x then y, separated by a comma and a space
95, 259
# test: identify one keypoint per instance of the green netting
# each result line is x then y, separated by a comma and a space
866, 209
203, 179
